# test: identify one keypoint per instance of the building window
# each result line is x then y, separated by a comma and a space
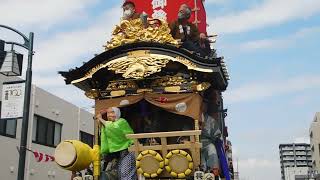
8, 128
86, 138
46, 132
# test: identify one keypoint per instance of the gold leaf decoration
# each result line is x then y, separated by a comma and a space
138, 67
171, 81
121, 85
186, 62
134, 31
92, 94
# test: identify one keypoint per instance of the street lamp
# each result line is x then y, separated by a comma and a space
13, 62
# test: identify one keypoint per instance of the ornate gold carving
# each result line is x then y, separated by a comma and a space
121, 85
170, 84
92, 94
172, 81
203, 86
138, 67
134, 31
141, 63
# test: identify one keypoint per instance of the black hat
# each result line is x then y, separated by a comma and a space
128, 2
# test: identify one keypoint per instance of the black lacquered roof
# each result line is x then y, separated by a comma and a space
166, 49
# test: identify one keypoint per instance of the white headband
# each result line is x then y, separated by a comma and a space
117, 112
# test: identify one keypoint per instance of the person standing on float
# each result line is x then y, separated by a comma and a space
114, 140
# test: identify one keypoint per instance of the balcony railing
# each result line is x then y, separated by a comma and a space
191, 145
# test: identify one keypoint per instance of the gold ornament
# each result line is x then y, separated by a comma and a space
134, 31
121, 85
171, 81
141, 63
138, 67
92, 94
203, 86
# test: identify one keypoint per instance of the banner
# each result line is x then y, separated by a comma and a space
41, 157
38, 156
168, 10
12, 100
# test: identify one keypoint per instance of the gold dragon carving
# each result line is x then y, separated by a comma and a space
134, 31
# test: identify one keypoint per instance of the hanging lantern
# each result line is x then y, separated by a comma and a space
11, 63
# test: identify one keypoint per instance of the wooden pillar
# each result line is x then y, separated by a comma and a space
196, 127
97, 162
164, 146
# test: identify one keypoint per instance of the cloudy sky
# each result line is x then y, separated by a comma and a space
271, 48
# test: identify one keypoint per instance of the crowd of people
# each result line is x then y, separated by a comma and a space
181, 29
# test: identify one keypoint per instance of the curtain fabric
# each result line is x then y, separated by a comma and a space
187, 104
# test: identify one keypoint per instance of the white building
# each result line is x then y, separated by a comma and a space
291, 173
52, 119
294, 158
315, 141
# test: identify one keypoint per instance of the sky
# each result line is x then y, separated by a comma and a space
271, 48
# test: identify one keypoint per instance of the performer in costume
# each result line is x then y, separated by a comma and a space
188, 33
210, 134
113, 140
129, 13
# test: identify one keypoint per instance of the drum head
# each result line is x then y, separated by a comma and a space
149, 164
65, 154
178, 163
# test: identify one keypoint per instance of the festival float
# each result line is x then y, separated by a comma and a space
160, 88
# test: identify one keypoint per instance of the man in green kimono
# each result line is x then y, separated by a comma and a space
114, 140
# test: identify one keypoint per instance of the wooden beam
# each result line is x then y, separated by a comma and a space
164, 134
169, 147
